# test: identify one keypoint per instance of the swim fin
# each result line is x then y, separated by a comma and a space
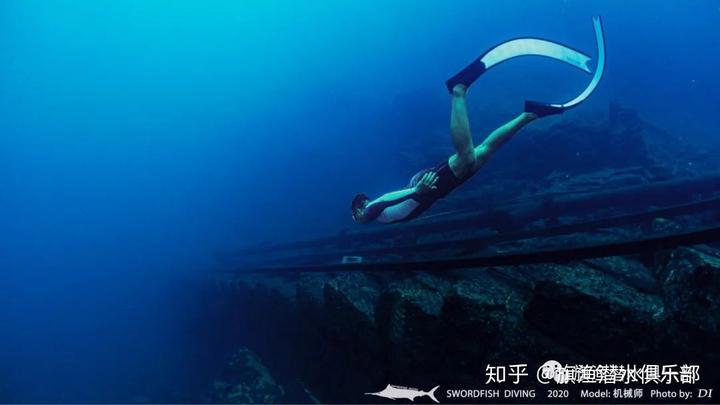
514, 48
545, 109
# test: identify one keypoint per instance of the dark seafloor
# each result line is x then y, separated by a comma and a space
331, 337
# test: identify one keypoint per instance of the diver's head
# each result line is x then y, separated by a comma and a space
358, 208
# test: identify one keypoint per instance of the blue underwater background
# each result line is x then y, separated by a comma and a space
140, 138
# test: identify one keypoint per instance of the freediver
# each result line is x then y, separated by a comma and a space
431, 184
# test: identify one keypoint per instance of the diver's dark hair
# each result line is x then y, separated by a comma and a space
358, 201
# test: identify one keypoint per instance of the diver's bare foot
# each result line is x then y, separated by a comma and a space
459, 90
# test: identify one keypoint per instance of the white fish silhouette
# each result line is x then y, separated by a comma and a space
397, 392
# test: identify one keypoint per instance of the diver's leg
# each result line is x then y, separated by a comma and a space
464, 158
499, 136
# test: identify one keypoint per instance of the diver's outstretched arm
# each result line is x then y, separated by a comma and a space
499, 136
398, 205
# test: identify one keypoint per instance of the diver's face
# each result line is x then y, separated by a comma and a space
359, 212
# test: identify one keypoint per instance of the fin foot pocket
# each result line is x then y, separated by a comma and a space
542, 109
466, 76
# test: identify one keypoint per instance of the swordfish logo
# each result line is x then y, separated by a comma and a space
398, 392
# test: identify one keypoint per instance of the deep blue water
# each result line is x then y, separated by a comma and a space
137, 138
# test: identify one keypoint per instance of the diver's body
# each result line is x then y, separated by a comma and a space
429, 185
432, 184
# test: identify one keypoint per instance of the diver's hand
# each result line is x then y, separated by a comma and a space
427, 183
